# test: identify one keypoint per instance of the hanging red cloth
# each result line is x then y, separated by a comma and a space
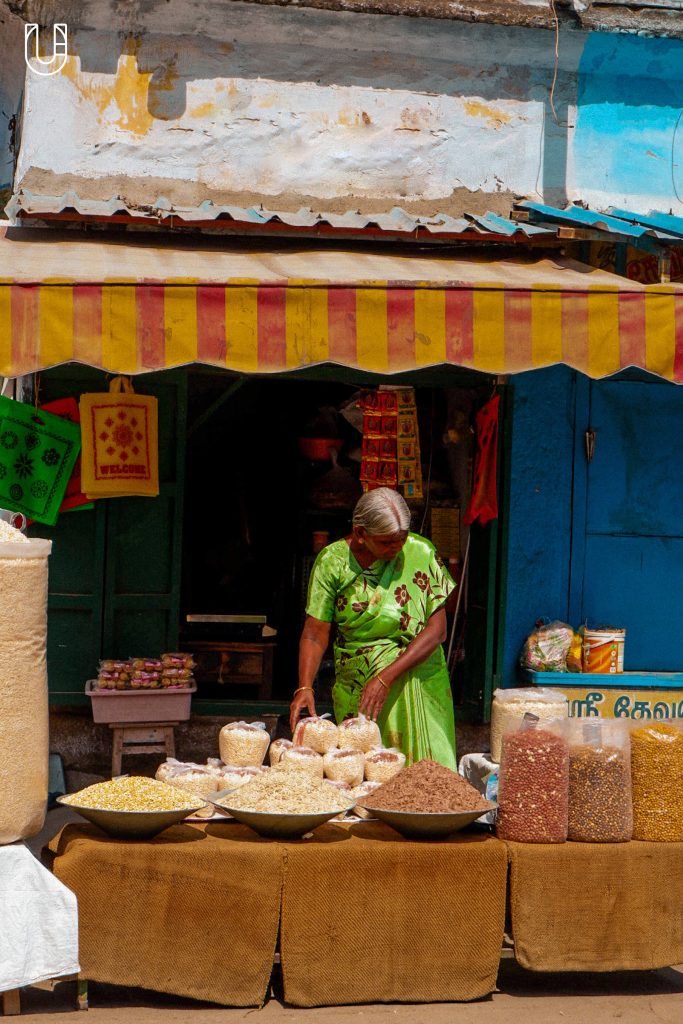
483, 504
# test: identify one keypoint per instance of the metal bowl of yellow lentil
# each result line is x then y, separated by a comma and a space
132, 824
132, 807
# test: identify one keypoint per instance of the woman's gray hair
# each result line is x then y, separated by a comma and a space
382, 511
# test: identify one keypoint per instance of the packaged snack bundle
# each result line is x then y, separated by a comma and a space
113, 675
600, 805
243, 744
546, 649
317, 732
510, 706
303, 759
177, 669
347, 764
361, 733
382, 765
657, 780
533, 789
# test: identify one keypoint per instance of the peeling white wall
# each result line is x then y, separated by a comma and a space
314, 105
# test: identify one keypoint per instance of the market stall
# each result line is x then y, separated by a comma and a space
365, 915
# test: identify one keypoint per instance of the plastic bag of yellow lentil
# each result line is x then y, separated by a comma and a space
600, 805
657, 780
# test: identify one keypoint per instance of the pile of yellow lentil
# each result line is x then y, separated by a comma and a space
657, 778
133, 793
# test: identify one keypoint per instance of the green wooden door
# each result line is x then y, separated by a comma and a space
114, 586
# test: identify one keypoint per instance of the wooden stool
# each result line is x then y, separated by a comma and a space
141, 738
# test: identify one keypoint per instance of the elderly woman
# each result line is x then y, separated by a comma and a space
385, 590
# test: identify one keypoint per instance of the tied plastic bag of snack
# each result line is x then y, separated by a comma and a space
303, 759
600, 806
533, 787
347, 764
382, 765
546, 649
277, 749
361, 733
243, 744
317, 732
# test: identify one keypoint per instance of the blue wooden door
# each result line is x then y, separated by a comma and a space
627, 544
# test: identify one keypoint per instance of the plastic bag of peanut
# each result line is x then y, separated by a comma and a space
657, 779
533, 790
600, 806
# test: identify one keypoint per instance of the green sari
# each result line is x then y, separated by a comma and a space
378, 611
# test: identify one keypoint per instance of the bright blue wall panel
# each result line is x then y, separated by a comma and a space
540, 507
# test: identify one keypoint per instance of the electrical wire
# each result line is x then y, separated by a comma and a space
673, 157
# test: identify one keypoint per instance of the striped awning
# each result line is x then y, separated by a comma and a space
136, 306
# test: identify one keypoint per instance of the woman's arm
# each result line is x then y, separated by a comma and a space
417, 651
312, 646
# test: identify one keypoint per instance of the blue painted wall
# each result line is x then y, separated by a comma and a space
540, 505
628, 141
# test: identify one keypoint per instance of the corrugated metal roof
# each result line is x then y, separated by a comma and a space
645, 231
396, 221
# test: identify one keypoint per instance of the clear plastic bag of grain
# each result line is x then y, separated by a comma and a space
361, 733
533, 788
382, 765
303, 759
600, 803
243, 744
347, 764
510, 706
317, 732
233, 777
657, 781
277, 749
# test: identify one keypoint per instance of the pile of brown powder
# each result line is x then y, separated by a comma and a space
424, 788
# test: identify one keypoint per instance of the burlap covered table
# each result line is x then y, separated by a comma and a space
365, 915
597, 906
192, 912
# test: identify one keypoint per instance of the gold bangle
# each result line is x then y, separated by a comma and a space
380, 680
302, 688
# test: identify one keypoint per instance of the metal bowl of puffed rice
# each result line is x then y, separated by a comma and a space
275, 824
132, 807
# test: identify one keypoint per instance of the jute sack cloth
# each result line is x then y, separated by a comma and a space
194, 912
370, 917
597, 906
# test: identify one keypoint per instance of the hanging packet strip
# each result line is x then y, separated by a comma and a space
38, 452
120, 442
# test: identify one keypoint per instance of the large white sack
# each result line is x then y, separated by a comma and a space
24, 745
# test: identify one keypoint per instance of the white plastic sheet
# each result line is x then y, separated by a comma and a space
38, 921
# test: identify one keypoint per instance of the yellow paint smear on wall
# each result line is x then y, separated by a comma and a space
126, 95
497, 118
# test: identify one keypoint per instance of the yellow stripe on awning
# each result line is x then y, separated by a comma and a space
271, 311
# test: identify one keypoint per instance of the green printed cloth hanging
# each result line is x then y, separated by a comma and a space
38, 452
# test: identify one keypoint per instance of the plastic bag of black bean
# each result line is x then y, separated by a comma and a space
600, 803
533, 788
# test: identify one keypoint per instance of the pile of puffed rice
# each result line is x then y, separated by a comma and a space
285, 790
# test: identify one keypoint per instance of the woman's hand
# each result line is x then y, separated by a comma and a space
373, 698
304, 700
